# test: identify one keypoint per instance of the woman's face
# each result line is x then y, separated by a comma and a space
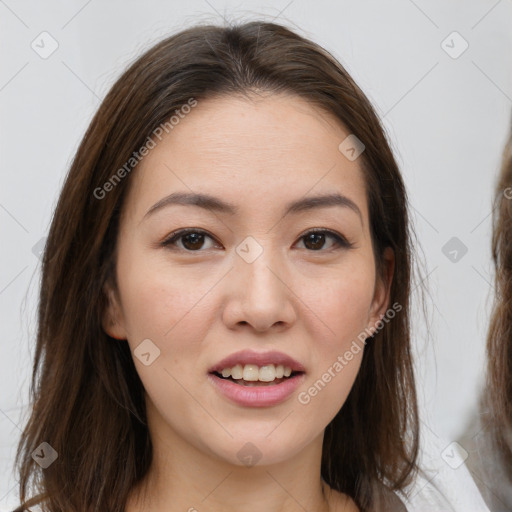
249, 280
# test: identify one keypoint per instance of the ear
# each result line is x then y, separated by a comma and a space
112, 318
380, 302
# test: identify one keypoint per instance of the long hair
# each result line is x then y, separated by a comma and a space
87, 399
497, 398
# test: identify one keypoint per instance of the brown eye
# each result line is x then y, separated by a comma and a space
315, 240
192, 240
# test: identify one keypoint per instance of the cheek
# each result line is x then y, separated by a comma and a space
325, 392
341, 311
170, 307
161, 302
342, 304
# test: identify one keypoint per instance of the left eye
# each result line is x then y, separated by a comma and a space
193, 239
317, 239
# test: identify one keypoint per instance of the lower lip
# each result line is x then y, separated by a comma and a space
257, 396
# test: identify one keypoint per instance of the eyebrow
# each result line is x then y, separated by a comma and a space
209, 202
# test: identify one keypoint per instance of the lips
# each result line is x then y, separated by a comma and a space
266, 396
258, 358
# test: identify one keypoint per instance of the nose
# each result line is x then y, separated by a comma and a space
260, 295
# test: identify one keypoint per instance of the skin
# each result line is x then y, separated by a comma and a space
202, 304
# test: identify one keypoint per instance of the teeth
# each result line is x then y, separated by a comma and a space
253, 373
226, 372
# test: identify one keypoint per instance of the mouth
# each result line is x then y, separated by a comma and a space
249, 391
257, 379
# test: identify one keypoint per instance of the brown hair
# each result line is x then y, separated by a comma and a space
87, 399
497, 398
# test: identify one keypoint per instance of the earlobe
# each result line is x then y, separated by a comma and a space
112, 318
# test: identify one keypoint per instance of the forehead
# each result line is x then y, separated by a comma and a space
264, 150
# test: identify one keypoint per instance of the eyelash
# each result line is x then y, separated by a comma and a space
342, 242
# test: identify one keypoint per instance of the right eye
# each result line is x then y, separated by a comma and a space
192, 239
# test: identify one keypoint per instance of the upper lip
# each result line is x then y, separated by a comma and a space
258, 358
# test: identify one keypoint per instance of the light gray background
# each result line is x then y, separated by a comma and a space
447, 118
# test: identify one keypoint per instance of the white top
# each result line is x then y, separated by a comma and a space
444, 484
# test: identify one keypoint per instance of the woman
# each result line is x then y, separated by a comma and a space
224, 309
